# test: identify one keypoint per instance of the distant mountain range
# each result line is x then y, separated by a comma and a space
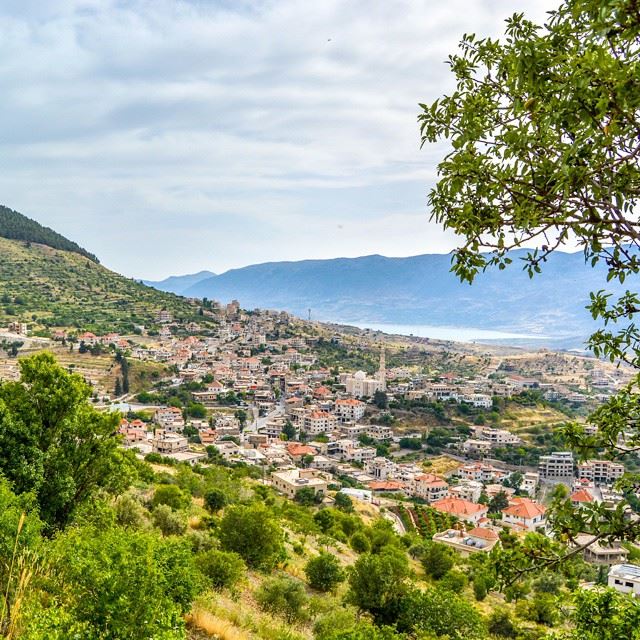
418, 290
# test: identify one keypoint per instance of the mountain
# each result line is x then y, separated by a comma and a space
15, 226
419, 290
49, 281
179, 284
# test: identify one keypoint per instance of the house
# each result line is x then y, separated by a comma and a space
386, 486
298, 451
470, 490
290, 481
349, 410
581, 497
600, 552
625, 578
476, 540
525, 514
462, 509
316, 422
429, 487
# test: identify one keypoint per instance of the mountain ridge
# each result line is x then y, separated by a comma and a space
418, 290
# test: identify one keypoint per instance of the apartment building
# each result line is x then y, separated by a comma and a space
600, 471
557, 466
290, 481
349, 410
316, 422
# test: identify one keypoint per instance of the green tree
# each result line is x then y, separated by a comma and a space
381, 400
343, 502
112, 583
282, 596
171, 495
170, 522
499, 502
289, 431
324, 572
437, 559
377, 583
214, 500
545, 146
223, 569
252, 532
54, 444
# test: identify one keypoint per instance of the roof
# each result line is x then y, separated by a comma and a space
350, 402
296, 449
485, 534
581, 495
524, 508
458, 506
385, 485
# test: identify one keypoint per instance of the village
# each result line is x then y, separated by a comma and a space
261, 397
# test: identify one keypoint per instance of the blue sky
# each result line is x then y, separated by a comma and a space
169, 137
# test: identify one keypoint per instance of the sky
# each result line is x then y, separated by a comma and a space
173, 136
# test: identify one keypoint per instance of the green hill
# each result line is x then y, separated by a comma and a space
56, 288
15, 226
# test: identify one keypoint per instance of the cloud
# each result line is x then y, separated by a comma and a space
173, 136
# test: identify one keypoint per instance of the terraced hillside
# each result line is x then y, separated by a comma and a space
54, 288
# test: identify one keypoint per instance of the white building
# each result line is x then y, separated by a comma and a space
557, 466
316, 422
429, 487
361, 386
291, 481
524, 514
600, 471
625, 578
349, 410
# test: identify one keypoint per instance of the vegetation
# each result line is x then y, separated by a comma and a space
15, 226
543, 129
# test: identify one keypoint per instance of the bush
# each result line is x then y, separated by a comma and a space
282, 596
454, 581
214, 500
324, 572
437, 560
501, 624
170, 522
253, 533
129, 512
170, 495
360, 543
344, 502
223, 569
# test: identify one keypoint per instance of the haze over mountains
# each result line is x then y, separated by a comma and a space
413, 291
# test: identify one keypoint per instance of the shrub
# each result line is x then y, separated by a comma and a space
223, 569
170, 522
282, 596
324, 572
214, 500
170, 495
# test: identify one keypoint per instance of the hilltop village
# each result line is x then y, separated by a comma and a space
428, 433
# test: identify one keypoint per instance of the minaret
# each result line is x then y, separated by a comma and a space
382, 371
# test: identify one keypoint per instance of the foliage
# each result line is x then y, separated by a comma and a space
171, 495
214, 500
170, 522
224, 569
437, 559
324, 572
377, 584
545, 148
283, 596
252, 533
54, 444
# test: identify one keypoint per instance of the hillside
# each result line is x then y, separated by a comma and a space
417, 290
179, 284
58, 288
15, 226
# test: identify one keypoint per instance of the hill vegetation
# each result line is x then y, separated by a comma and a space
15, 226
57, 288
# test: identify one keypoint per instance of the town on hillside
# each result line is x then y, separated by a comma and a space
455, 442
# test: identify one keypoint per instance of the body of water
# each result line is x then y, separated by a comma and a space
458, 334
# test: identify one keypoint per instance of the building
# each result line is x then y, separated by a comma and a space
470, 490
474, 445
462, 509
524, 514
556, 467
430, 487
316, 422
600, 552
361, 386
167, 443
291, 481
601, 471
530, 481
625, 578
497, 437
349, 410
476, 540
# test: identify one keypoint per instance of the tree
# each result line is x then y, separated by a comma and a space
545, 149
343, 502
500, 624
171, 495
437, 559
282, 596
324, 572
214, 500
54, 444
381, 400
289, 431
308, 496
499, 502
109, 583
117, 392
252, 533
377, 583
223, 569
170, 522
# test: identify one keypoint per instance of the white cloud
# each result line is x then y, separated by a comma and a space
172, 136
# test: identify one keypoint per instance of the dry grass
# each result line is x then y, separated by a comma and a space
215, 626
